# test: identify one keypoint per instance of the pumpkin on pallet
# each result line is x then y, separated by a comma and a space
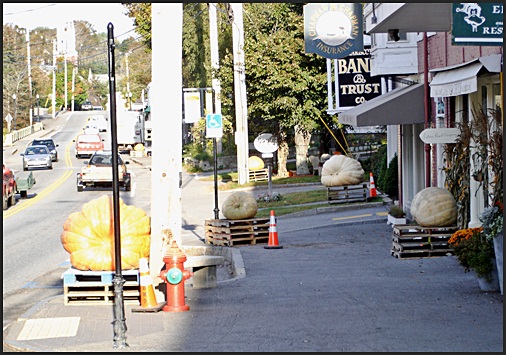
88, 236
434, 207
341, 170
239, 205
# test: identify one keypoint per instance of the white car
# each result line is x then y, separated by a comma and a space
37, 156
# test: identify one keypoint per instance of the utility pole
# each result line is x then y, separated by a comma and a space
241, 110
65, 73
73, 88
54, 79
128, 94
167, 167
29, 74
215, 63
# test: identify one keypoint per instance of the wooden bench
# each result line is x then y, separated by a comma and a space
259, 175
348, 193
204, 269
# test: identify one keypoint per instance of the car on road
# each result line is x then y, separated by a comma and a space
48, 142
86, 106
98, 172
37, 156
99, 121
87, 144
9, 188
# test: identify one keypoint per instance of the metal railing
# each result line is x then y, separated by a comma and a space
11, 138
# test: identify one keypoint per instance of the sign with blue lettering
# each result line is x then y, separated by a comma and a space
214, 126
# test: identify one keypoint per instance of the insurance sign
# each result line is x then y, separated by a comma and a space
478, 24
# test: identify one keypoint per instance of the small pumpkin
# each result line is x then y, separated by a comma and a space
434, 207
88, 236
239, 205
255, 163
340, 170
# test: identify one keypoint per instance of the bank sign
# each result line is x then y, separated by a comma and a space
355, 83
333, 30
478, 24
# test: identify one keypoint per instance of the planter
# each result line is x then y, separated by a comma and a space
395, 220
498, 249
492, 284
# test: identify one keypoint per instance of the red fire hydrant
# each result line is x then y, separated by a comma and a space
174, 276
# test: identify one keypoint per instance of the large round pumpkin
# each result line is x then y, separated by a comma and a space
434, 207
239, 205
255, 163
88, 236
341, 170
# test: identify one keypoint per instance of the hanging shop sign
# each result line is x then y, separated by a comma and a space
192, 107
439, 135
477, 24
333, 30
355, 83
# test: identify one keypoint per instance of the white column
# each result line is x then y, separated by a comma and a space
215, 63
167, 30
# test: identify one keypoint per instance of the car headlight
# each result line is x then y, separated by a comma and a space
53, 151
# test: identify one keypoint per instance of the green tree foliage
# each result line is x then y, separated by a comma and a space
141, 14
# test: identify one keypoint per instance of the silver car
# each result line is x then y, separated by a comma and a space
37, 156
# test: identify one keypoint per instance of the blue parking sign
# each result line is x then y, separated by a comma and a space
214, 126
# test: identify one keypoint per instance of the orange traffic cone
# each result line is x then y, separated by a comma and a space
147, 292
372, 187
273, 234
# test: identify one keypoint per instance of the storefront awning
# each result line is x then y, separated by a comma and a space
399, 106
462, 79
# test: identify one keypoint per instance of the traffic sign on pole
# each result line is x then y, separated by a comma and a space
214, 126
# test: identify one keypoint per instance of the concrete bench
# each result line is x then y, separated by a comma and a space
204, 269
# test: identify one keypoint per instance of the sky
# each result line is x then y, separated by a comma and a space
32, 15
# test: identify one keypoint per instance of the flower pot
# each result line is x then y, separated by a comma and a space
395, 220
498, 249
491, 284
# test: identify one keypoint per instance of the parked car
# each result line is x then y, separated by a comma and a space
87, 144
9, 188
37, 156
48, 142
98, 172
86, 106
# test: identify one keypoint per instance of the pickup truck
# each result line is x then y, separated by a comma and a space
98, 172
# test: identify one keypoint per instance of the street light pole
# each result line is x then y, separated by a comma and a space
15, 111
130, 100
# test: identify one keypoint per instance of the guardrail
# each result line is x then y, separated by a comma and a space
11, 138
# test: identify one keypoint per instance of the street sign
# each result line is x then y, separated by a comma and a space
266, 143
214, 126
439, 135
8, 118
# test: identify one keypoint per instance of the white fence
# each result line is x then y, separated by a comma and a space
15, 136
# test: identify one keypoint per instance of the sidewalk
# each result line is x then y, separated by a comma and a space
332, 287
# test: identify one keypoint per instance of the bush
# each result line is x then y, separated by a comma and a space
391, 179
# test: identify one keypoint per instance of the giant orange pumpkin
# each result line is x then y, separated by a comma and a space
88, 236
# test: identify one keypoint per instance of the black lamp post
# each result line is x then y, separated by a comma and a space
130, 100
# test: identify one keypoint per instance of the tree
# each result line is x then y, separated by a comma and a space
285, 85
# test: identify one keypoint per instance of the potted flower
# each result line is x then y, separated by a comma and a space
475, 252
492, 223
396, 215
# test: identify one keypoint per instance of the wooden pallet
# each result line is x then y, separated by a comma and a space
258, 175
99, 295
225, 232
415, 241
348, 193
96, 287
